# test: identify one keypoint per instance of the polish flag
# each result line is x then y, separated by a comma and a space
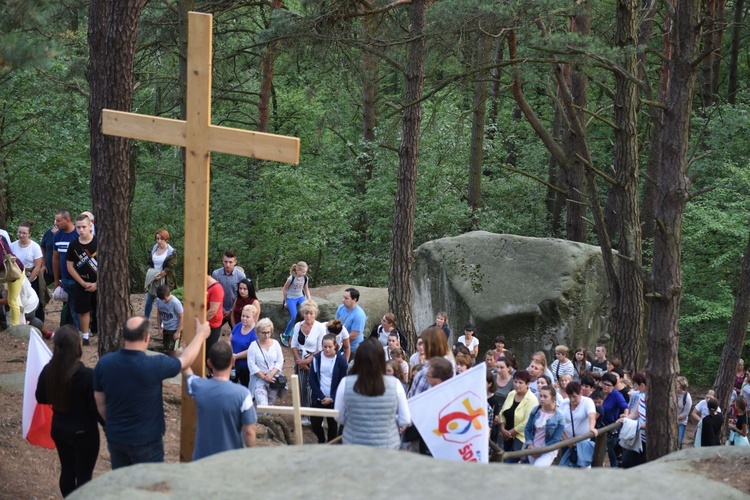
37, 418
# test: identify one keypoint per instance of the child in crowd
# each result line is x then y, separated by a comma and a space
711, 425
397, 355
169, 319
295, 292
393, 368
463, 362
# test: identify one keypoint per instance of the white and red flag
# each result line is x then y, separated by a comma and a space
452, 417
37, 418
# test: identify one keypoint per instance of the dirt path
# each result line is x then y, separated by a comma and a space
32, 472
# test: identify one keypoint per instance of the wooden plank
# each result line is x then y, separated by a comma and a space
145, 128
197, 159
290, 410
294, 385
258, 145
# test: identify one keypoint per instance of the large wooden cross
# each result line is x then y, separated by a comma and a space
199, 138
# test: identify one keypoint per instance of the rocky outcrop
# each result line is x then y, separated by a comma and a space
536, 292
352, 472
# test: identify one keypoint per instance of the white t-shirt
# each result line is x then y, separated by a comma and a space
158, 260
580, 416
474, 342
702, 408
326, 374
27, 255
313, 341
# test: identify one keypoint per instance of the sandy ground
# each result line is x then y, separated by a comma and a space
32, 472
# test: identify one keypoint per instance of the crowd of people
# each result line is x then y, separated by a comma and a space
367, 376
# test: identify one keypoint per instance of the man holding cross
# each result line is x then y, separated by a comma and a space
128, 393
199, 137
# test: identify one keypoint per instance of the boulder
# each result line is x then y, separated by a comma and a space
373, 300
22, 331
537, 292
373, 473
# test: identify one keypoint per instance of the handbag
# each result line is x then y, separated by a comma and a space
10, 270
279, 380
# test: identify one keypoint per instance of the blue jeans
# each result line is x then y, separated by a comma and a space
123, 455
680, 434
293, 305
70, 288
611, 443
150, 299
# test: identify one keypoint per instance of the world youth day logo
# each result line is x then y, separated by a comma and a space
459, 421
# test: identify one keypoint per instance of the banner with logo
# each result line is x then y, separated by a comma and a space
452, 417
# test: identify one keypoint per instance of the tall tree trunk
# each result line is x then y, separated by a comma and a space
495, 89
656, 116
266, 72
113, 26
402, 246
555, 200
479, 112
671, 196
712, 44
627, 312
734, 51
724, 382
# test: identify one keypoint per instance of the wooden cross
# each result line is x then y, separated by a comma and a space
199, 138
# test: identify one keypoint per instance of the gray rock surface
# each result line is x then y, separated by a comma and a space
21, 331
373, 300
315, 472
537, 292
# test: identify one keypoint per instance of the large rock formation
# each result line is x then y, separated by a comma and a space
373, 300
537, 292
352, 472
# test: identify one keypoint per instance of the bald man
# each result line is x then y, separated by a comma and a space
128, 393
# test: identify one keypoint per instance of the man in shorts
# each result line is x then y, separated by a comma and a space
83, 267
168, 318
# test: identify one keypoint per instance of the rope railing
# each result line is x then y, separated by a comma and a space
499, 455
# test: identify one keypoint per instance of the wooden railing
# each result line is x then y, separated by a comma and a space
497, 454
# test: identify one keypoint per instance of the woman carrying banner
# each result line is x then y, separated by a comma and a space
68, 385
372, 406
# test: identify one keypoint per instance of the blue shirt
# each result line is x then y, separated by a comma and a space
131, 382
62, 240
223, 408
241, 343
613, 407
353, 320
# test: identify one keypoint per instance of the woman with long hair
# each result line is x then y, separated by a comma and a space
581, 364
246, 296
295, 292
434, 343
545, 427
372, 406
162, 261
68, 385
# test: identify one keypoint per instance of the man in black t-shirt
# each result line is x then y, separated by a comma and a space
600, 359
83, 267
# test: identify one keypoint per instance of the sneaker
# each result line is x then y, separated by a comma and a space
285, 339
306, 421
86, 342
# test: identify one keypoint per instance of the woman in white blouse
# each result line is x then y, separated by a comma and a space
307, 341
265, 361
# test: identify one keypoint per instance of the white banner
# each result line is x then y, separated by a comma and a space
452, 417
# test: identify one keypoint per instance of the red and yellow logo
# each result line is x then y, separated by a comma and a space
459, 421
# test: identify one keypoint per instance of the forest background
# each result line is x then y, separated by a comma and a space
337, 74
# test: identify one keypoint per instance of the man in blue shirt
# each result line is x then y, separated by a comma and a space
353, 318
128, 393
226, 415
65, 234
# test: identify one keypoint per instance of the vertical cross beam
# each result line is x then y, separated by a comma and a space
197, 187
